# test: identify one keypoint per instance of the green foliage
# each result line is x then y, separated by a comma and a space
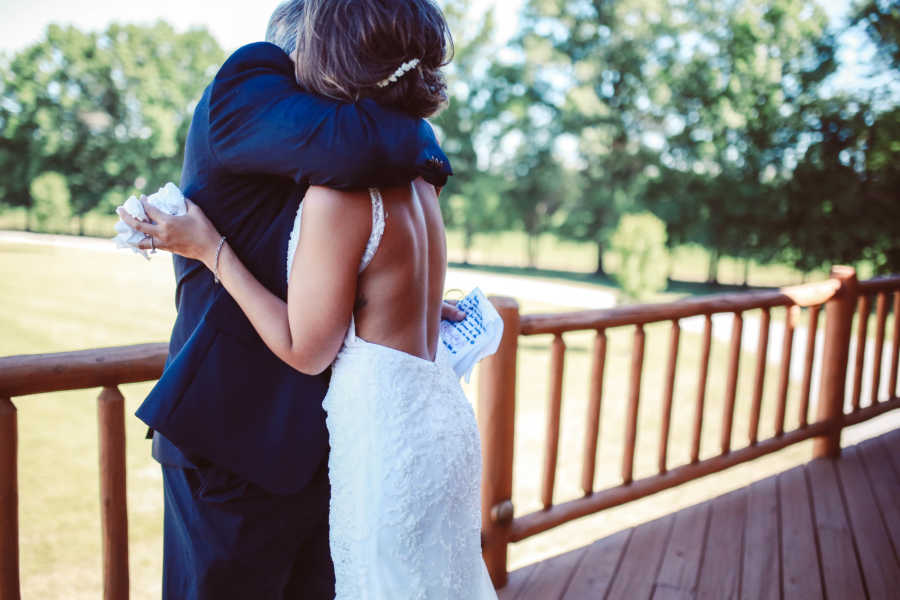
52, 210
844, 197
640, 242
472, 201
101, 109
539, 189
881, 19
596, 71
716, 116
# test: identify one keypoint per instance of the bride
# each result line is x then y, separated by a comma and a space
365, 284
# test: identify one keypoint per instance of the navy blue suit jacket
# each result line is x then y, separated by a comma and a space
255, 144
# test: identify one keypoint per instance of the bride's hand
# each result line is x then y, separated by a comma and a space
191, 235
449, 311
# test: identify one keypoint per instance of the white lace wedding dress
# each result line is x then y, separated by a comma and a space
405, 470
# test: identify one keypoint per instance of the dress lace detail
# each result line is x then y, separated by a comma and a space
377, 228
374, 237
405, 471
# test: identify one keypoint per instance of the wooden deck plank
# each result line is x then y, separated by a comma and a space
886, 484
663, 592
552, 576
828, 529
635, 576
517, 582
681, 563
891, 442
840, 568
801, 575
881, 571
761, 570
720, 573
595, 573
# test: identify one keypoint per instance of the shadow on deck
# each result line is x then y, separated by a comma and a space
830, 528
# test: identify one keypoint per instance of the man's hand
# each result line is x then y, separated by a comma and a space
450, 312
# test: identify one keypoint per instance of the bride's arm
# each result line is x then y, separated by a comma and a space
306, 332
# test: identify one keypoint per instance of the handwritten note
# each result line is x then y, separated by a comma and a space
476, 336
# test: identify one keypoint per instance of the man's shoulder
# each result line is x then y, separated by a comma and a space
258, 55
249, 79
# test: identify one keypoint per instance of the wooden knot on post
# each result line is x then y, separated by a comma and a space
502, 512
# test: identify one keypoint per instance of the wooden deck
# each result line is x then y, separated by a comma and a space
827, 529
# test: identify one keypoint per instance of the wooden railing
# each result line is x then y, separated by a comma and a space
106, 368
841, 296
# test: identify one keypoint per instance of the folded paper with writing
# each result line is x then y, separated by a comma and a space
476, 336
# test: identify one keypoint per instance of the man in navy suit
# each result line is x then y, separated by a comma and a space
241, 436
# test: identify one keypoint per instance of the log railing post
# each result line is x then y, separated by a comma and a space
9, 503
113, 513
838, 329
496, 420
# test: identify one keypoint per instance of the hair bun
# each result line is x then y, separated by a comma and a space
351, 49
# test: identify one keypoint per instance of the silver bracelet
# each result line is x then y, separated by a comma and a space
218, 250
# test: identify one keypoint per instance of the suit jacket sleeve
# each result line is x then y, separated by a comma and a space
262, 122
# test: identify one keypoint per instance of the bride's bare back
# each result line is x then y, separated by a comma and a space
398, 298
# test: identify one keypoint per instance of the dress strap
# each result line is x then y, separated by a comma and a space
377, 228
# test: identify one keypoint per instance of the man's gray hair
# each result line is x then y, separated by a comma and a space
284, 24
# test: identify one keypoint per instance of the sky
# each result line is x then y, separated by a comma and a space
232, 23
22, 22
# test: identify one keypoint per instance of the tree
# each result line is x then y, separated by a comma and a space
101, 109
51, 201
742, 88
478, 206
471, 201
843, 199
538, 188
23, 105
640, 242
881, 18
599, 66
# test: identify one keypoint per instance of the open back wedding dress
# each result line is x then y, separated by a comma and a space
405, 469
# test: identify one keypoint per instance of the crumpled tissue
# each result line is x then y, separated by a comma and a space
168, 199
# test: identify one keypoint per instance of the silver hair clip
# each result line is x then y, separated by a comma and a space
400, 72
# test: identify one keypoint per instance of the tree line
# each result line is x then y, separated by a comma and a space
716, 116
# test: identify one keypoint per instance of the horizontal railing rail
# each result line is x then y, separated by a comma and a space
29, 374
642, 314
839, 297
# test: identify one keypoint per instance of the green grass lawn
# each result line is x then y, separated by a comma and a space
577, 261
57, 299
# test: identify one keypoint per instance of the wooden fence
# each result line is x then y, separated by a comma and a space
841, 296
106, 368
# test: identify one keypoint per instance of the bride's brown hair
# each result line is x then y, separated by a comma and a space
346, 47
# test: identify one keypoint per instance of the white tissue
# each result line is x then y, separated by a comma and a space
168, 199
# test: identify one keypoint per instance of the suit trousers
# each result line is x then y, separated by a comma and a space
226, 538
